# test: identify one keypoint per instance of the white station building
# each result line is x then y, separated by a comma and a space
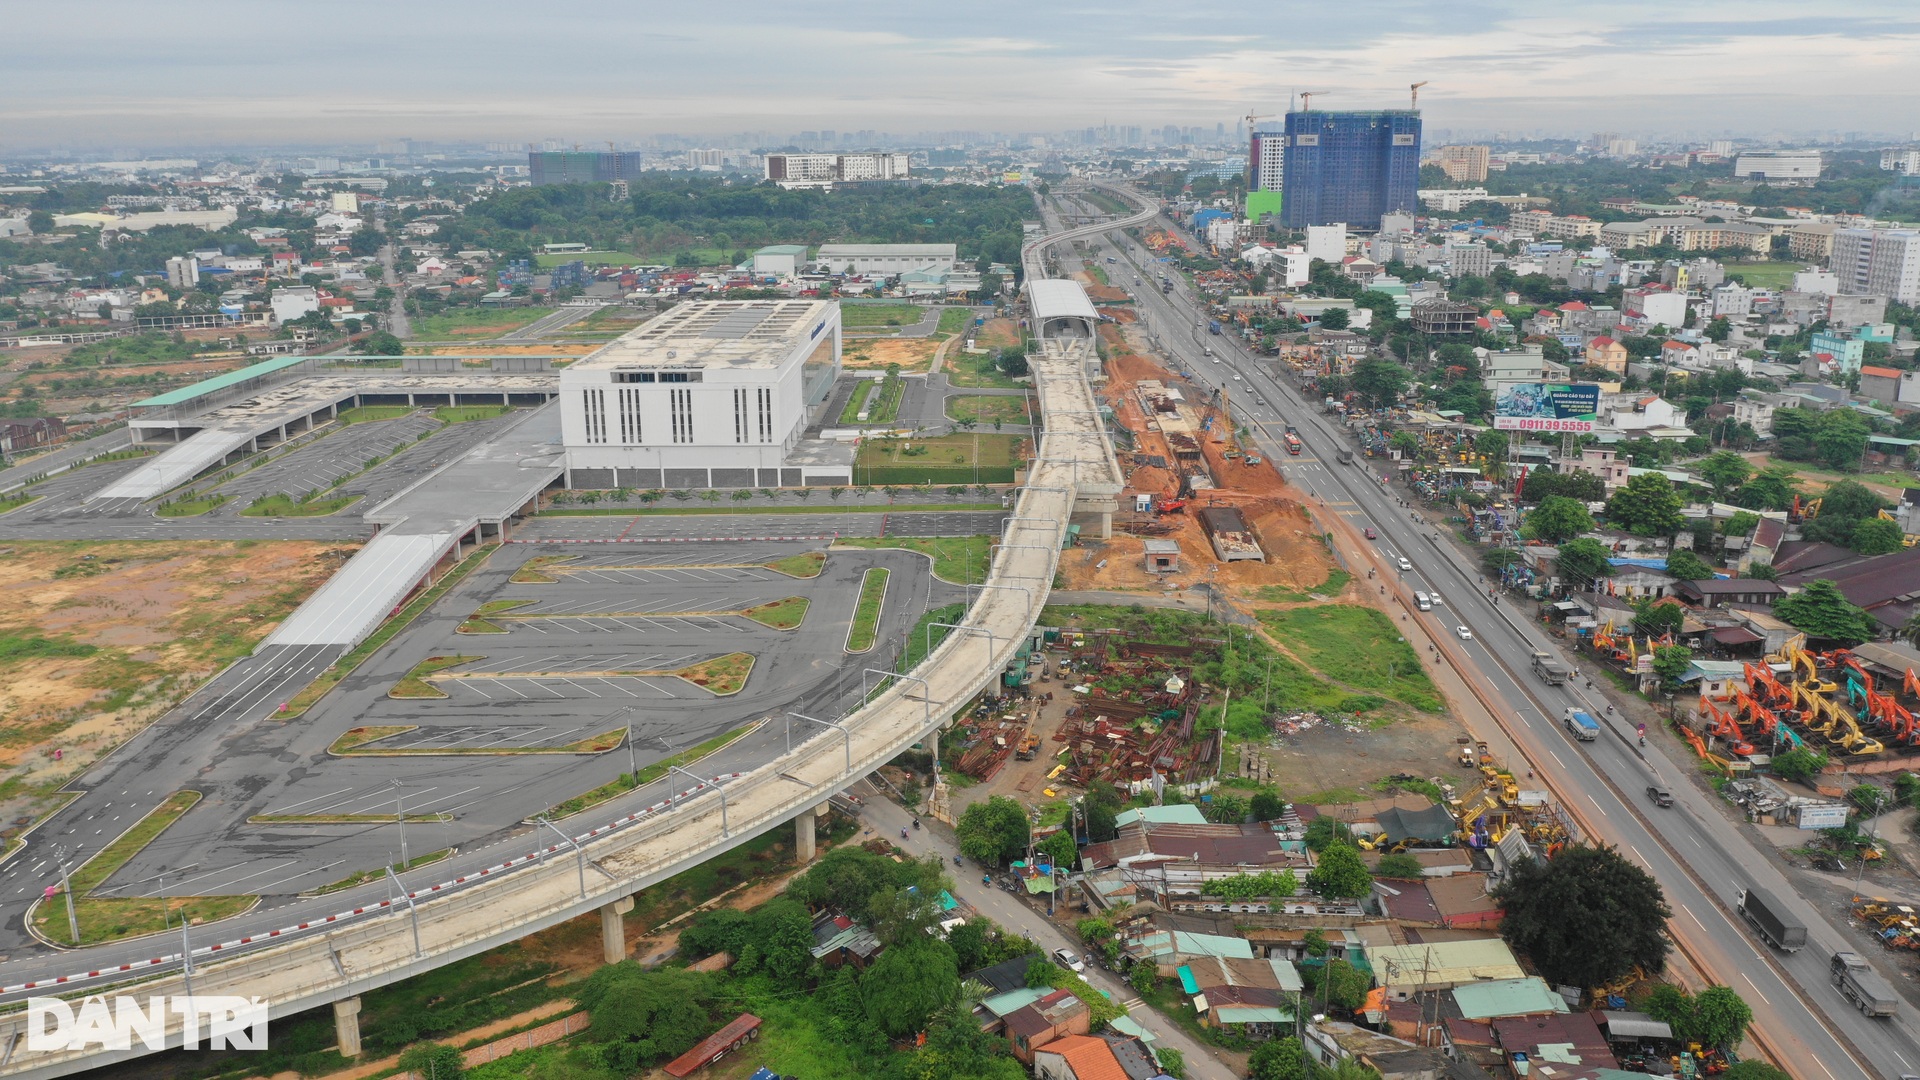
712, 394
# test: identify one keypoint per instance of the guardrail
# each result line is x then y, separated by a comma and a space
315, 962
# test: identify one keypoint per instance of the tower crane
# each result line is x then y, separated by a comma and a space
1307, 96
1415, 91
1252, 120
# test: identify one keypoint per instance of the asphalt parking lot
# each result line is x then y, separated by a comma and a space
63, 497
317, 465
546, 687
861, 522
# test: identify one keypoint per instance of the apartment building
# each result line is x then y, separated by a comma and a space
1883, 262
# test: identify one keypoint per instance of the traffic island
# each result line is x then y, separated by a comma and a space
628, 781
807, 564
479, 623
101, 919
415, 685
534, 570
722, 676
780, 614
865, 628
367, 742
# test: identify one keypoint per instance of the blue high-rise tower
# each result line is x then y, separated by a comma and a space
1350, 167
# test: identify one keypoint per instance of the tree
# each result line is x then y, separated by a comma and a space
1658, 618
1557, 520
1280, 1059
1584, 561
1841, 438
1172, 1062
993, 831
1877, 536
1724, 470
380, 343
1266, 805
1406, 442
1103, 822
1399, 865
1822, 611
1850, 499
1579, 485
1060, 849
1323, 832
1384, 307
433, 1061
908, 983
1342, 985
1718, 330
1226, 808
40, 222
1671, 662
1772, 489
1798, 764
1586, 917
642, 1016
1334, 319
1646, 506
1340, 874
1493, 444
1687, 566
1380, 381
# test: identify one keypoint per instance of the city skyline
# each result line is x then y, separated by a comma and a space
215, 73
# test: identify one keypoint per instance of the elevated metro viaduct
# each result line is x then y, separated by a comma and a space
329, 959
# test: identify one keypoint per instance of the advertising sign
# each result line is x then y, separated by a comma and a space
1549, 407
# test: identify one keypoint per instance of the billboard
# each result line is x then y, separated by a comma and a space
1547, 407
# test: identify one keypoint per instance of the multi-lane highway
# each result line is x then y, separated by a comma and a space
1700, 857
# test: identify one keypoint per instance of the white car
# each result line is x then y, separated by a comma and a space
1069, 961
1237, 378
1405, 565
1464, 633
1435, 597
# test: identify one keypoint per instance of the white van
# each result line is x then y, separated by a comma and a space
1423, 601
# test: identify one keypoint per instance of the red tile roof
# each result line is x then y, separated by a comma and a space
1088, 1057
1881, 372
1602, 341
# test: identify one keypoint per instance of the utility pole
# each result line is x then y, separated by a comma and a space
66, 887
400, 815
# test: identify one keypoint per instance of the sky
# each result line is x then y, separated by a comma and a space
121, 73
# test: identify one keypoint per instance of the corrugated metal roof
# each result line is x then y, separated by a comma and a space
1507, 997
219, 382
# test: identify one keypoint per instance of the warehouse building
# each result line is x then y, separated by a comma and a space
886, 260
713, 394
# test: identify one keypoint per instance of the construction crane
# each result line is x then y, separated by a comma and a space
1307, 96
1252, 120
1415, 91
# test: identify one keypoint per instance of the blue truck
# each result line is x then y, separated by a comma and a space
1584, 727
1213, 326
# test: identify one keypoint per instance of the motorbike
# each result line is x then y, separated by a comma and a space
903, 834
916, 823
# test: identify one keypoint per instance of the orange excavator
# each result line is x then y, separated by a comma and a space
1721, 724
1773, 692
1762, 721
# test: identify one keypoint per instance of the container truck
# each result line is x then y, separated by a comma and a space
1863, 986
1776, 927
1584, 727
1551, 671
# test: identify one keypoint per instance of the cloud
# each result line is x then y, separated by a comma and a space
272, 72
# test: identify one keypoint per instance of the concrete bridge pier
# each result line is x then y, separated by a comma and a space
346, 1026
804, 827
613, 933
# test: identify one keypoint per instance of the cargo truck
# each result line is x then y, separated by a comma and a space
1213, 326
1346, 457
1551, 671
1776, 927
1863, 986
1584, 727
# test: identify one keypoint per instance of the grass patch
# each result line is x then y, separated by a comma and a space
866, 614
861, 391
1279, 594
109, 918
478, 623
361, 736
959, 560
719, 676
1765, 275
979, 370
460, 414
365, 413
15, 645
477, 321
361, 877
344, 819
310, 506
807, 564
878, 316
780, 614
953, 320
414, 683
989, 408
974, 458
925, 637
628, 781
190, 507
16, 501
533, 572
1358, 647
345, 666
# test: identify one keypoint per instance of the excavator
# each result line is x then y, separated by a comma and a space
1761, 719
1706, 755
1806, 669
1723, 725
